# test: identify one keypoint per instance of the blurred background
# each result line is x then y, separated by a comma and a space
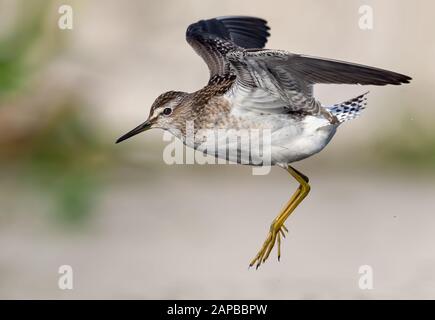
133, 227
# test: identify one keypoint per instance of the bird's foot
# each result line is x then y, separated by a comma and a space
276, 232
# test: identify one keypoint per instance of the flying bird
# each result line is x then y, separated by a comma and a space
251, 87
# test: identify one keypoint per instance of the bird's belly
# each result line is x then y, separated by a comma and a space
243, 146
285, 141
310, 137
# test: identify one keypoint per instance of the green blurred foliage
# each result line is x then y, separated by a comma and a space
60, 156
66, 159
409, 146
15, 47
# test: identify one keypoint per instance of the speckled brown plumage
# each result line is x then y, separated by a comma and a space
207, 107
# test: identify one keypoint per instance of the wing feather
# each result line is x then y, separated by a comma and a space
212, 39
288, 79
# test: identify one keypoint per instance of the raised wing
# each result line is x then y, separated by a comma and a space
280, 81
212, 39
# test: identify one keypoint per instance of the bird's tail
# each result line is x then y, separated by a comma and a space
349, 109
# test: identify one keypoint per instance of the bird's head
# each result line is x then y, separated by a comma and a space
163, 114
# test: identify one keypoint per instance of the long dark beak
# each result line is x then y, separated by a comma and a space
141, 128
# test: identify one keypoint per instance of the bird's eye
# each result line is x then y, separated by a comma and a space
167, 111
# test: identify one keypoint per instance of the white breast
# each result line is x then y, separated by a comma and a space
289, 139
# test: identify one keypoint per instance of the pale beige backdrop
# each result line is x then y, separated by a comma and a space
133, 227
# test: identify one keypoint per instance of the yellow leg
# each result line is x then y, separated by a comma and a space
277, 227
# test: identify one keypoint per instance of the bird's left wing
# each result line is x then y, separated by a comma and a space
280, 81
212, 39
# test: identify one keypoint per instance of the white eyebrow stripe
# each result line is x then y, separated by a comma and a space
157, 112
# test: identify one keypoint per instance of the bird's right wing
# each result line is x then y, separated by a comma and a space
212, 39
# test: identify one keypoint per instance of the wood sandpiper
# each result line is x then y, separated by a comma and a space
252, 87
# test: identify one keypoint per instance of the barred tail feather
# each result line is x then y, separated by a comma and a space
350, 109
